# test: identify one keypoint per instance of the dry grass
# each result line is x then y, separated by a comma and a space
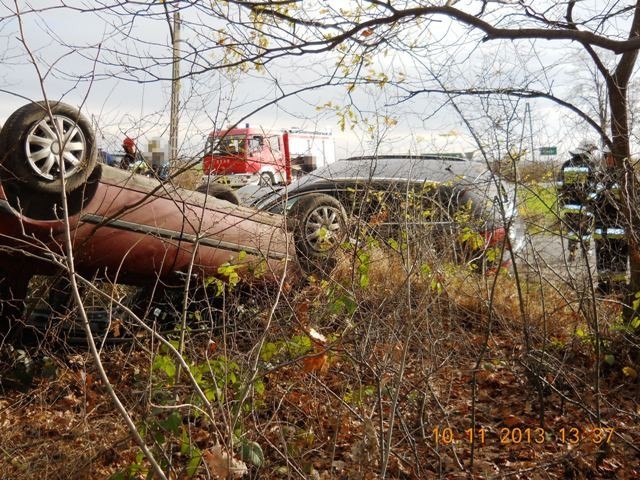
189, 179
432, 346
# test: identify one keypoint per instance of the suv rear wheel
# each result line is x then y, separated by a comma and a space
320, 226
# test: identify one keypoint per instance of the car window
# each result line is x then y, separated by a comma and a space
404, 214
399, 202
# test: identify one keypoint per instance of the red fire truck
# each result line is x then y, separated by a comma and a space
241, 156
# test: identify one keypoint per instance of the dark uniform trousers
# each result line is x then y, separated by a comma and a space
609, 233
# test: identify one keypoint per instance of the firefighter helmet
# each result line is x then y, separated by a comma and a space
585, 147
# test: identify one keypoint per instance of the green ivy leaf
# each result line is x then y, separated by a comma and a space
185, 444
344, 303
211, 393
425, 270
194, 462
172, 423
164, 364
252, 452
269, 349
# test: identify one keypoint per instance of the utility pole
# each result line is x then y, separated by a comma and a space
527, 115
175, 92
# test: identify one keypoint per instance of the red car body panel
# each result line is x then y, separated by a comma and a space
135, 230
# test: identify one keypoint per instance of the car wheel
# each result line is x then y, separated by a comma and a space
320, 226
39, 149
217, 190
267, 179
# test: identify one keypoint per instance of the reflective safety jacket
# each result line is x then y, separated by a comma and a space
576, 185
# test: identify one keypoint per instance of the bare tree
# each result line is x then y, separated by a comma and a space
262, 33
443, 40
479, 61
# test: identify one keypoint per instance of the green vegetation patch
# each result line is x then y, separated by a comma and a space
538, 208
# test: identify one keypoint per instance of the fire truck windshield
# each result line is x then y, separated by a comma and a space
227, 145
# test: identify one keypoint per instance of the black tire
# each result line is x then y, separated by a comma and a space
319, 224
30, 151
217, 190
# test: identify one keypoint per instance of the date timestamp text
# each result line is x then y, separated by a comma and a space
565, 435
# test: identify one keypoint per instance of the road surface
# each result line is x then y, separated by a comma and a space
546, 258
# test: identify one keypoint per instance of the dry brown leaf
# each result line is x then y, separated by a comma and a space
69, 401
302, 312
512, 421
222, 465
314, 363
116, 327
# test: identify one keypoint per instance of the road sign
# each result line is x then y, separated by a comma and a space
548, 150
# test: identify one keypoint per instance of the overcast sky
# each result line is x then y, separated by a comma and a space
140, 108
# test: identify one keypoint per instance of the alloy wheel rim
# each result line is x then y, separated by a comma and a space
322, 228
55, 145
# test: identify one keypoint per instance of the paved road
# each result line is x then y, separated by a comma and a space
545, 257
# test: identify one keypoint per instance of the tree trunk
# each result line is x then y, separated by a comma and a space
624, 175
618, 84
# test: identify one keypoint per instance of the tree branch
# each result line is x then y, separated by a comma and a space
515, 92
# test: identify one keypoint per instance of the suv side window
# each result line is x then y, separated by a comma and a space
395, 203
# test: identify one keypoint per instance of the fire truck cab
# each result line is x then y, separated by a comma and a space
240, 156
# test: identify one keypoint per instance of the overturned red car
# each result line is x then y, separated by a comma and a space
121, 226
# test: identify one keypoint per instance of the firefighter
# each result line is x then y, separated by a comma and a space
130, 153
609, 233
576, 187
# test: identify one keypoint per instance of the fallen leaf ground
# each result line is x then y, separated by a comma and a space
398, 386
